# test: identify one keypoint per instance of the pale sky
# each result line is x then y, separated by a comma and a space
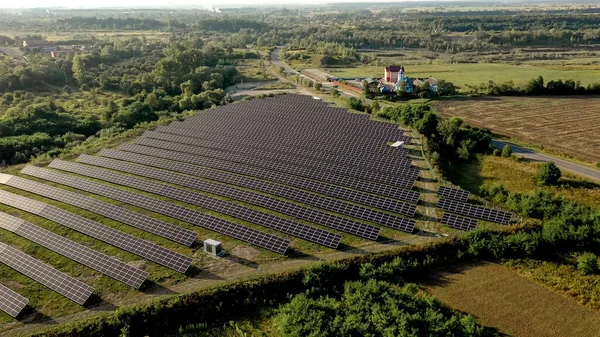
159, 3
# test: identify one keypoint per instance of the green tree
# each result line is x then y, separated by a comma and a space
375, 107
507, 151
135, 113
335, 92
79, 69
548, 174
318, 86
587, 263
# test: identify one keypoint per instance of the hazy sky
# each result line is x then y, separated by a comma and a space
157, 3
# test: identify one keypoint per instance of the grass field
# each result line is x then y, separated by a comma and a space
477, 73
565, 124
499, 297
517, 176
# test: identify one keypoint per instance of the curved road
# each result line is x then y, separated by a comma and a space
561, 163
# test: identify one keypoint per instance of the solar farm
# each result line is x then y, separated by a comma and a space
275, 180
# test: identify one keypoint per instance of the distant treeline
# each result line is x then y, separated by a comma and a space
535, 87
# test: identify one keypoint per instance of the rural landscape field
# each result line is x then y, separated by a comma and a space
334, 169
563, 124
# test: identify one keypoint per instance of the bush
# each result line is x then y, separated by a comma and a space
587, 263
497, 152
335, 92
598, 164
374, 308
548, 174
356, 104
507, 151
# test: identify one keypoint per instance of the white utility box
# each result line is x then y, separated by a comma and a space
213, 247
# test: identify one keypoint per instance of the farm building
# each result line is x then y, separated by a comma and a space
41, 45
393, 73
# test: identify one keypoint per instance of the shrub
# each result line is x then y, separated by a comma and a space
497, 152
356, 104
598, 164
335, 92
587, 263
507, 151
548, 174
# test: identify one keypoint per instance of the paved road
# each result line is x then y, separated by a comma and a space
563, 164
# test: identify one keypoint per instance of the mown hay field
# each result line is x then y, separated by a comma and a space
569, 125
501, 298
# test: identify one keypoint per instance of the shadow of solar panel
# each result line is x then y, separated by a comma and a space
309, 173
236, 231
459, 222
473, 211
359, 212
452, 193
263, 219
88, 257
283, 178
143, 248
36, 270
11, 302
367, 162
134, 219
300, 212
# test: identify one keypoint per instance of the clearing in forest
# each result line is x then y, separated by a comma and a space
499, 297
565, 124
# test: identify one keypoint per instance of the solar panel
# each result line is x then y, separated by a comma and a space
11, 302
452, 193
143, 248
123, 215
458, 222
365, 183
260, 218
300, 212
473, 211
61, 283
311, 199
372, 161
98, 261
308, 173
283, 178
215, 224
384, 175
382, 153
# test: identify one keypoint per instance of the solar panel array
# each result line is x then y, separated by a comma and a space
458, 222
243, 233
473, 211
263, 219
283, 191
36, 270
143, 248
335, 191
11, 302
308, 214
453, 193
325, 176
86, 256
134, 219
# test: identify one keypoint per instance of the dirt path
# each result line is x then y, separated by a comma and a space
498, 297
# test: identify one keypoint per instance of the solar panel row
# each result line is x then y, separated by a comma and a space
143, 248
134, 219
458, 222
248, 214
215, 224
473, 211
452, 193
341, 143
315, 216
88, 257
311, 199
370, 160
287, 179
11, 302
310, 173
36, 270
356, 171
